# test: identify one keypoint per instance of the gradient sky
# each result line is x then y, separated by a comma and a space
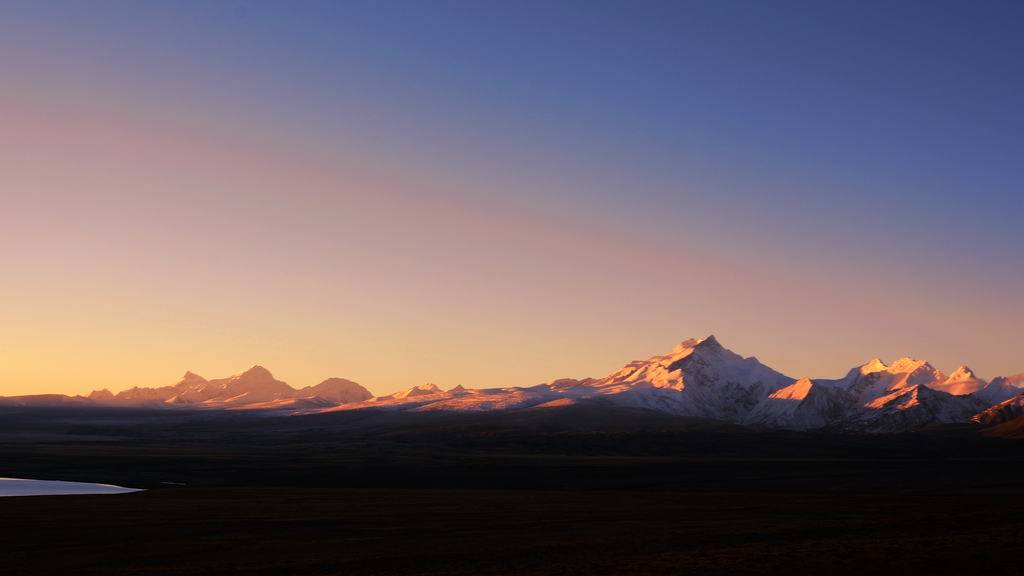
503, 193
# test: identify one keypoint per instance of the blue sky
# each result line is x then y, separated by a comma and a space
553, 188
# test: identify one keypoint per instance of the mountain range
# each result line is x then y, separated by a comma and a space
697, 379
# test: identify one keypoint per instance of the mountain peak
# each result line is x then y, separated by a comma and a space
254, 372
190, 379
962, 373
423, 390
336, 382
100, 395
876, 365
909, 365
795, 391
709, 343
687, 348
338, 390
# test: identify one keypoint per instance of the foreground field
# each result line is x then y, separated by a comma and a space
249, 494
349, 531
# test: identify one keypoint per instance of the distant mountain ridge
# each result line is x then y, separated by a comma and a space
697, 378
254, 387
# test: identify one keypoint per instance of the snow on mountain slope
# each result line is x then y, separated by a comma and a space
711, 381
874, 379
429, 397
804, 405
963, 381
483, 400
854, 375
697, 378
424, 390
1002, 412
251, 386
909, 407
336, 391
1000, 389
311, 403
569, 383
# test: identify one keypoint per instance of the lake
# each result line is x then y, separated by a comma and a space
24, 487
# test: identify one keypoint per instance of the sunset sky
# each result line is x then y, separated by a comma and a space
503, 193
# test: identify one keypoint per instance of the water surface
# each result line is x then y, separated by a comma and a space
24, 487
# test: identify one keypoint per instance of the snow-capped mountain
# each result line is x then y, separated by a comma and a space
801, 406
424, 390
1003, 412
701, 378
909, 407
697, 378
336, 391
875, 379
963, 381
1000, 389
709, 381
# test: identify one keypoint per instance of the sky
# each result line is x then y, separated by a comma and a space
495, 194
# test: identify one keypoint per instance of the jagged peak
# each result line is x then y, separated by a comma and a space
254, 372
962, 373
909, 365
423, 390
192, 377
562, 383
875, 365
687, 347
458, 388
910, 390
100, 395
709, 343
795, 391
